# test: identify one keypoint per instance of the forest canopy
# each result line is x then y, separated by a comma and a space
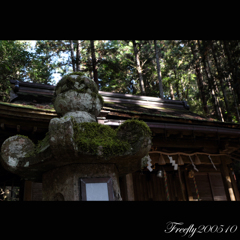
205, 73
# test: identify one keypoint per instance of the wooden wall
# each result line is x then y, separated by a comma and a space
211, 185
32, 191
148, 187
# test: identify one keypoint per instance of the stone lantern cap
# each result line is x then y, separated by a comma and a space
76, 137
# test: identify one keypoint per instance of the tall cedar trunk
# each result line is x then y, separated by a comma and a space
199, 77
78, 55
177, 83
215, 90
171, 92
210, 81
235, 69
234, 79
158, 71
234, 98
229, 118
72, 55
95, 74
139, 68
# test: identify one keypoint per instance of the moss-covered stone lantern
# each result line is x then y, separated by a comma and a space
79, 159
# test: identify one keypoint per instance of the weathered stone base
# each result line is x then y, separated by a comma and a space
62, 184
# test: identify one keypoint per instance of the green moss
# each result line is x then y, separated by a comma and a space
90, 136
22, 136
18, 105
133, 130
109, 102
101, 98
134, 123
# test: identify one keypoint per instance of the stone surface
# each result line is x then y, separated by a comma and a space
63, 183
74, 98
64, 155
14, 151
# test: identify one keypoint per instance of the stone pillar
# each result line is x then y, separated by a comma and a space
63, 183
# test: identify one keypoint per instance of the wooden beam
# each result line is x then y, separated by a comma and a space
18, 128
129, 185
227, 179
180, 161
161, 160
181, 184
34, 129
235, 188
27, 191
190, 196
101, 120
159, 141
197, 160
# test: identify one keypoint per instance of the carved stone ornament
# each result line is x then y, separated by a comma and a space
71, 138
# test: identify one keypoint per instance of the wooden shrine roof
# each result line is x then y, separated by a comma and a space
31, 110
39, 96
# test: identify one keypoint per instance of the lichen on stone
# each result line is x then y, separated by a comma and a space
79, 84
70, 83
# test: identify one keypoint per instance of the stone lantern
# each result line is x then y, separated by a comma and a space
79, 159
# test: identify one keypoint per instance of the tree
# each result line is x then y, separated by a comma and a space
203, 72
72, 55
158, 71
220, 77
95, 74
14, 59
199, 75
139, 67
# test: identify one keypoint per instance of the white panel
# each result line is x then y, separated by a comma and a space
97, 192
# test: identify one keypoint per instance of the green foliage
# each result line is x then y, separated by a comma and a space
17, 63
13, 60
117, 70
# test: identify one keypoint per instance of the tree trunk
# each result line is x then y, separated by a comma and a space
78, 55
235, 65
72, 55
234, 98
229, 118
158, 71
177, 83
139, 68
199, 77
171, 92
95, 73
214, 90
210, 81
233, 77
